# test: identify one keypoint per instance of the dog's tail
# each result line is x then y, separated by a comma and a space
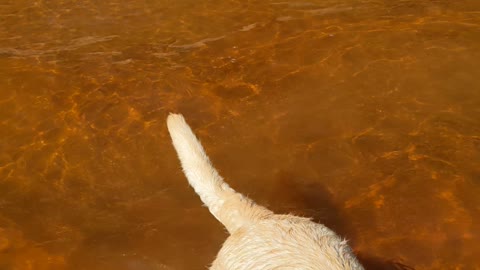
232, 209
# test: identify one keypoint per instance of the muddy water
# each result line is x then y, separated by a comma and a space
362, 114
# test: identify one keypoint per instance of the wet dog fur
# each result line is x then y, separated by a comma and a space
259, 239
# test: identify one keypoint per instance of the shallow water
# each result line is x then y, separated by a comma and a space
362, 114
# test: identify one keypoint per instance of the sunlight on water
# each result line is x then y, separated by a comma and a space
362, 114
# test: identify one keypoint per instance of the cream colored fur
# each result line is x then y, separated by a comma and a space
259, 239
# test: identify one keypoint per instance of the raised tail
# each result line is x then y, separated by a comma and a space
232, 209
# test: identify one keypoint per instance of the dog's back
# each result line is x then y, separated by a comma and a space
259, 239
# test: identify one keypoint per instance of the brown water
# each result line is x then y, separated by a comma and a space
362, 114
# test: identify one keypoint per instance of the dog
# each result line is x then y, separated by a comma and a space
259, 239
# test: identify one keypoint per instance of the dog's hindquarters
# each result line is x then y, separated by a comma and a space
232, 209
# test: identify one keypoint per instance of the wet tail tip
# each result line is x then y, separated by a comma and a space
174, 118
176, 124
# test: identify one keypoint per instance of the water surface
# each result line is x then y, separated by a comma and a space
362, 114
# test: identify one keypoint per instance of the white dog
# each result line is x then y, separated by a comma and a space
259, 239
